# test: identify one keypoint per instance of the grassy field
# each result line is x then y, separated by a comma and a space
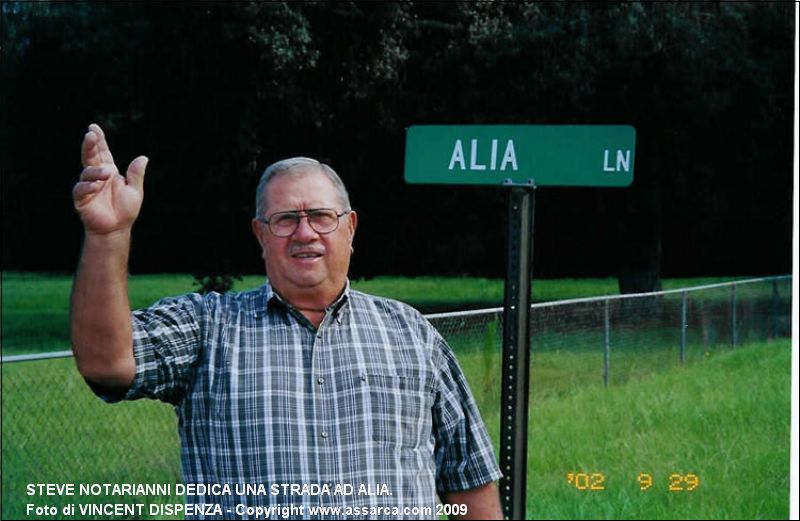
56, 431
723, 418
35, 310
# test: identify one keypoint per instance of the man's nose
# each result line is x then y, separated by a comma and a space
304, 231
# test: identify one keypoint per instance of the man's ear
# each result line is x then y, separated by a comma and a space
258, 230
353, 223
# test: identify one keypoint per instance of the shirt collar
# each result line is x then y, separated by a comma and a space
272, 299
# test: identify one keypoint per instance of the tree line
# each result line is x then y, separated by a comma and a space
212, 93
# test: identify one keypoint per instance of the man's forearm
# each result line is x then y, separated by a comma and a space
481, 502
100, 315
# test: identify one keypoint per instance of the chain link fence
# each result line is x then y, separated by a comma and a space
54, 430
613, 339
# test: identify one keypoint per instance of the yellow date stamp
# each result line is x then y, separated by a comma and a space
596, 481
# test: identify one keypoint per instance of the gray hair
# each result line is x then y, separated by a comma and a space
296, 166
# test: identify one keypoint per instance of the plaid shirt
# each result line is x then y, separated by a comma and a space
373, 400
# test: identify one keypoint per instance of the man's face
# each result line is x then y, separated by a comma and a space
306, 265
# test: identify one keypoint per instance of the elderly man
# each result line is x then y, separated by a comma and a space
303, 395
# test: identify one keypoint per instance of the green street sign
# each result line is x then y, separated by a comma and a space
540, 155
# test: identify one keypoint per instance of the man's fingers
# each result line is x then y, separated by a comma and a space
89, 154
85, 189
136, 172
97, 173
102, 145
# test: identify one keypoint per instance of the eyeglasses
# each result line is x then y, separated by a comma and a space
321, 220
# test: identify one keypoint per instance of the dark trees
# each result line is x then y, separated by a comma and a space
212, 93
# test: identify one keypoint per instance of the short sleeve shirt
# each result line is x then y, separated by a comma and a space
368, 411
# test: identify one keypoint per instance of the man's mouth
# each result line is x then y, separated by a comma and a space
307, 255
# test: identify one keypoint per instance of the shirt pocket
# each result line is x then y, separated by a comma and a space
400, 406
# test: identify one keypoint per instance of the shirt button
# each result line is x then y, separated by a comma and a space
324, 434
363, 378
320, 380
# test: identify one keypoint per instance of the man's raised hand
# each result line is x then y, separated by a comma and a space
106, 201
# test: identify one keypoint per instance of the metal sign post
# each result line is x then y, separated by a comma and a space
507, 155
516, 349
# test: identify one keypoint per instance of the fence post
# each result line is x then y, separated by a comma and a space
772, 321
683, 327
733, 315
606, 344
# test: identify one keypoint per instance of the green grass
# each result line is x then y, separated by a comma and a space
724, 418
56, 431
35, 309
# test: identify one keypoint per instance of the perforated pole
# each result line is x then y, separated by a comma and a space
516, 353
